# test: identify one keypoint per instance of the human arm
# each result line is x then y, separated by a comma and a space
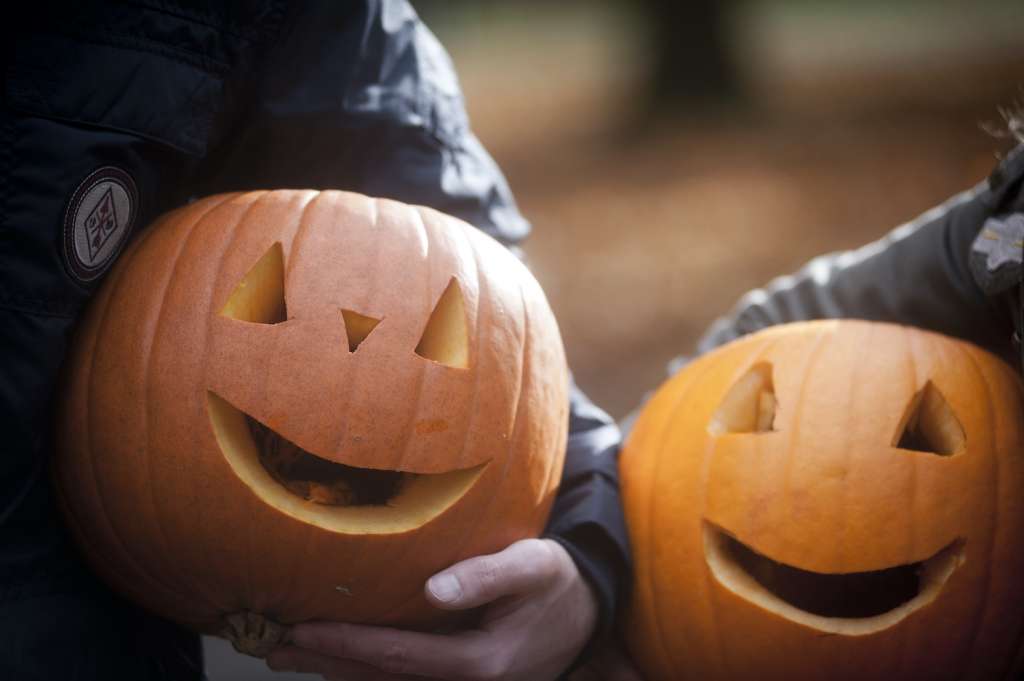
919, 274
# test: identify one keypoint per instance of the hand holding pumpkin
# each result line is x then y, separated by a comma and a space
538, 614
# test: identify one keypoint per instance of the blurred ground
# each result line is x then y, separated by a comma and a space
860, 116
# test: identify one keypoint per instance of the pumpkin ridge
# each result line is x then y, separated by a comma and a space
421, 231
116, 281
149, 343
291, 257
813, 355
548, 469
408, 428
711, 596
477, 356
766, 347
174, 590
1014, 664
220, 276
473, 414
489, 503
844, 517
649, 582
378, 207
342, 436
247, 589
668, 421
903, 648
981, 615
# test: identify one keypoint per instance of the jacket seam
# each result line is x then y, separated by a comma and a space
182, 14
38, 308
196, 148
187, 58
6, 163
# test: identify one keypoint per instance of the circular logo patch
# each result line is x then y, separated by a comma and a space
97, 221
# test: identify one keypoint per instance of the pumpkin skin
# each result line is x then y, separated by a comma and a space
157, 472
727, 499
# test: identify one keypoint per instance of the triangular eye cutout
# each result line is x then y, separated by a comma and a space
446, 336
749, 406
259, 297
929, 424
357, 327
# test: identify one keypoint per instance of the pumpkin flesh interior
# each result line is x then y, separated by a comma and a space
853, 603
386, 503
259, 296
749, 406
319, 480
445, 339
930, 425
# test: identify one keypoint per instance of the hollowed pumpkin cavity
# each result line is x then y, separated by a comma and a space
849, 603
336, 497
319, 480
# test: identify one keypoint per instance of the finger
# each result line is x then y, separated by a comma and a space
398, 652
292, 659
522, 567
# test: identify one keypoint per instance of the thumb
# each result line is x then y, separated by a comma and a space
521, 568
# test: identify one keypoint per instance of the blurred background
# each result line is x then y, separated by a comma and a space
673, 155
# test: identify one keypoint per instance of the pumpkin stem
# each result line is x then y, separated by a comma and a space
252, 633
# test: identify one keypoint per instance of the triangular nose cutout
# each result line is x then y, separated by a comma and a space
357, 327
929, 425
446, 336
749, 406
259, 297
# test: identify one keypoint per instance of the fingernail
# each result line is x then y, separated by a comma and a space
445, 587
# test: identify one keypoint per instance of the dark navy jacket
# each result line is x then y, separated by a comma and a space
165, 101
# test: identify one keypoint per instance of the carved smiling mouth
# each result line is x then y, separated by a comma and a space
852, 603
334, 496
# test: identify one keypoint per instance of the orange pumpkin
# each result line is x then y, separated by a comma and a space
299, 405
830, 500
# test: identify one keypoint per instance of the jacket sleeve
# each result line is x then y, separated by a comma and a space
359, 96
377, 109
587, 518
919, 274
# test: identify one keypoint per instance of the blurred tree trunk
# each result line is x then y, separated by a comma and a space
692, 64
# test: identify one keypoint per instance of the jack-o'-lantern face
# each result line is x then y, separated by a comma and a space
347, 497
830, 500
304, 404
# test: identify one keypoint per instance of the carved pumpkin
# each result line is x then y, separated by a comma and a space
300, 405
830, 500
